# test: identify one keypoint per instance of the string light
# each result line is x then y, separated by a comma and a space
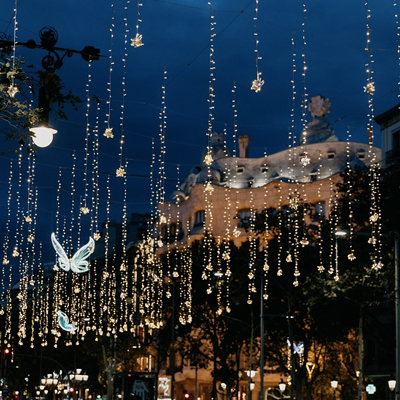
137, 40
258, 83
304, 75
120, 173
84, 208
108, 133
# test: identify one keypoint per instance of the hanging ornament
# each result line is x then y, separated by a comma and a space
208, 159
120, 173
305, 160
257, 84
96, 236
64, 323
108, 133
209, 188
84, 210
351, 257
78, 262
370, 88
12, 90
137, 41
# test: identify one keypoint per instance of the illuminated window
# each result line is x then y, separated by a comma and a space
146, 363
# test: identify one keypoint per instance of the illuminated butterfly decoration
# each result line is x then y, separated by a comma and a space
297, 349
64, 323
78, 261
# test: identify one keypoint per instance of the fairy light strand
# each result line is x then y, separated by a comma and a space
257, 83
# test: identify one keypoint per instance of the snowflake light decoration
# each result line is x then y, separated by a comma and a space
120, 172
294, 203
96, 236
15, 252
28, 219
84, 210
209, 188
108, 133
304, 242
376, 266
289, 258
279, 272
257, 84
370, 88
305, 160
351, 257
163, 219
372, 240
30, 238
236, 233
321, 268
6, 261
374, 217
137, 41
226, 256
208, 159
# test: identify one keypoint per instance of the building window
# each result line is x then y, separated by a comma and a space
361, 154
199, 218
244, 217
331, 154
240, 170
146, 364
264, 169
396, 140
164, 232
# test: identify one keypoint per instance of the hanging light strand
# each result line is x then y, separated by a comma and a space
121, 171
257, 83
109, 130
304, 75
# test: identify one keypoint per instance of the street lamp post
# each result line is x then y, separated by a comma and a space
78, 377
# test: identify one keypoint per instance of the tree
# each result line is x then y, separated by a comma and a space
19, 83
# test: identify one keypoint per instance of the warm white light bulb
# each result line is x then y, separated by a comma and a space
43, 135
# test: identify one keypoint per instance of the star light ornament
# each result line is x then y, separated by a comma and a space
137, 41
78, 261
257, 84
108, 133
64, 323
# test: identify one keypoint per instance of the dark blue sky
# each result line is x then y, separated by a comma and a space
176, 36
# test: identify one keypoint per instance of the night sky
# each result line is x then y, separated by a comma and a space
328, 37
